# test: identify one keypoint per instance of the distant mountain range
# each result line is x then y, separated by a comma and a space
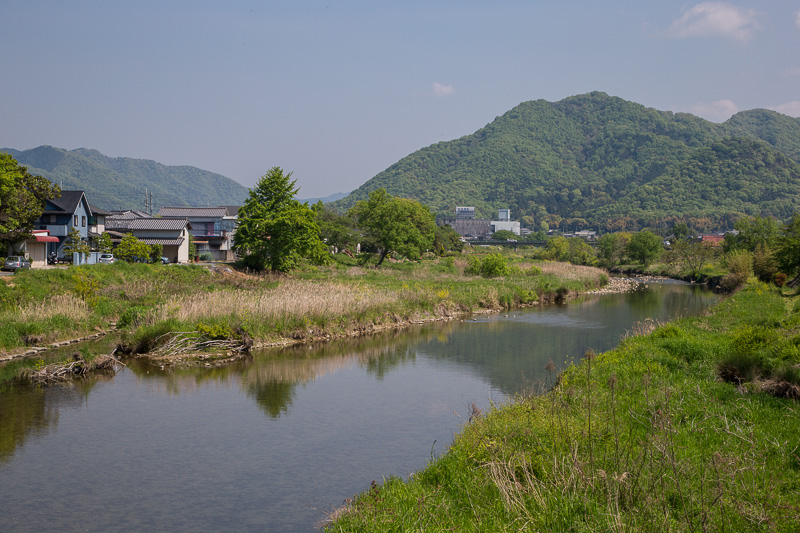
595, 160
325, 200
120, 182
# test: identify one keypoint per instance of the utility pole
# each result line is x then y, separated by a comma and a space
148, 202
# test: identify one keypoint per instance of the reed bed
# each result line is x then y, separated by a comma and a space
567, 271
292, 298
58, 305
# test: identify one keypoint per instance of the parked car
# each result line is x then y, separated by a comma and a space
165, 260
106, 258
15, 262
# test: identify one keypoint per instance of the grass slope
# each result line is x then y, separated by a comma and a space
646, 437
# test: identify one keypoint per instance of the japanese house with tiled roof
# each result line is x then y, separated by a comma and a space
212, 228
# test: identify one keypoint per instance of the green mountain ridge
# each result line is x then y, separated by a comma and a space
120, 182
594, 160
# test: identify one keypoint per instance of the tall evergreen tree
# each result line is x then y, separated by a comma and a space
275, 230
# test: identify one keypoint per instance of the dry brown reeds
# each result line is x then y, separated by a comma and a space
291, 298
60, 304
568, 271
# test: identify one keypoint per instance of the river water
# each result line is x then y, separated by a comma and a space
277, 442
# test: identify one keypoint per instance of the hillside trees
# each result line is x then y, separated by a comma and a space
275, 230
599, 161
391, 224
22, 199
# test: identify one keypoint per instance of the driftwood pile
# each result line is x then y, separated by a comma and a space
185, 342
57, 372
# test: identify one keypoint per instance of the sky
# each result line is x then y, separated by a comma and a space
338, 91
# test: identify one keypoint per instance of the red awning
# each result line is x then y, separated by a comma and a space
46, 238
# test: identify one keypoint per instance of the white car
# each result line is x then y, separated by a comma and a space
106, 258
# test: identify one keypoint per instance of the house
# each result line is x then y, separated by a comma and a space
212, 228
171, 234
712, 240
97, 222
36, 247
60, 215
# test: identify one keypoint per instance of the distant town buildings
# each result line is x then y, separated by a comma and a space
469, 227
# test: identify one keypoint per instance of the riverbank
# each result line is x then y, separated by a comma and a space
691, 427
220, 310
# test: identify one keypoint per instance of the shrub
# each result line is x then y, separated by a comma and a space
473, 266
494, 265
765, 266
740, 263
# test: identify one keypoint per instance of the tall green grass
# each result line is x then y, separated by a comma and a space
646, 437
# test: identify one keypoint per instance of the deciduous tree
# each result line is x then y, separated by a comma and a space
395, 225
22, 199
130, 249
644, 247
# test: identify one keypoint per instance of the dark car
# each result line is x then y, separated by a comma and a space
15, 262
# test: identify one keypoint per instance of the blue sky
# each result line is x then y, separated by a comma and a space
338, 91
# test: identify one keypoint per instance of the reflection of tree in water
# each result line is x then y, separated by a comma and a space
394, 357
273, 376
24, 413
274, 397
27, 411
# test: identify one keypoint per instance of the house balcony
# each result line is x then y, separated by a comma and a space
55, 230
209, 234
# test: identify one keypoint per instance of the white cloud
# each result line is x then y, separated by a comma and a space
718, 111
791, 71
797, 19
442, 90
789, 108
716, 19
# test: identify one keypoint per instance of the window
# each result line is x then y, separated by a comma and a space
53, 219
83, 222
75, 220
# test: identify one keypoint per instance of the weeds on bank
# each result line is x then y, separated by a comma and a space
647, 437
145, 301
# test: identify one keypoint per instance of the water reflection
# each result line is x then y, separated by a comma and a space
28, 412
509, 351
268, 442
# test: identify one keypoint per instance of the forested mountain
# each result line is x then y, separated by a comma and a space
120, 182
599, 161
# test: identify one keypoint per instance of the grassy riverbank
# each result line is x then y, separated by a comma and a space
690, 426
145, 302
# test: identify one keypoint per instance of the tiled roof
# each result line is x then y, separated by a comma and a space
161, 241
129, 214
158, 224
113, 223
185, 212
97, 211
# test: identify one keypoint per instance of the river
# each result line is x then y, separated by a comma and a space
276, 442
